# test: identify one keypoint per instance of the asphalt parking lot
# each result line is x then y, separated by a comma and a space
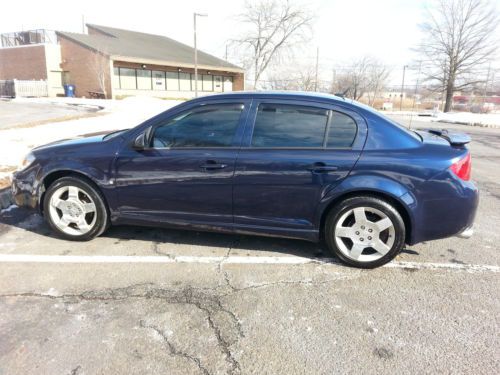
158, 301
14, 114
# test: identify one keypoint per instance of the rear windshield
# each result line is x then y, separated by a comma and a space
397, 124
414, 134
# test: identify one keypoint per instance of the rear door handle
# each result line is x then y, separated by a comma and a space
322, 168
212, 164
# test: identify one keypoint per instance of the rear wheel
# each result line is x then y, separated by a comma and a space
365, 231
75, 209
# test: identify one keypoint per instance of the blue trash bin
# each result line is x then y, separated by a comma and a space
69, 91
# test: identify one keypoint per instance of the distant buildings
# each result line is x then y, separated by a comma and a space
113, 63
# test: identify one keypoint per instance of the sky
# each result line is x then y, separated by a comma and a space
343, 29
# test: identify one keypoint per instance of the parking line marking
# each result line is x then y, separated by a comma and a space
449, 266
27, 258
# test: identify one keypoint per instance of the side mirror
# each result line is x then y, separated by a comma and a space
141, 142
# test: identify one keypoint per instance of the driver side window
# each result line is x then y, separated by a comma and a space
205, 126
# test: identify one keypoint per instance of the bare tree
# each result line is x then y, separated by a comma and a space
377, 76
458, 39
301, 78
364, 76
274, 27
353, 81
99, 65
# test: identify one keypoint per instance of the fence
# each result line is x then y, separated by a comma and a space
17, 88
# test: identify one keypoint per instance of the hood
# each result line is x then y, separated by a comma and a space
78, 140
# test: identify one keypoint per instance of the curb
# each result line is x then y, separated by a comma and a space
6, 199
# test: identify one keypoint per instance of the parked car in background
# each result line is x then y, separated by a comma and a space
297, 165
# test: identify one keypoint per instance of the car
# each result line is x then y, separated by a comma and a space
308, 166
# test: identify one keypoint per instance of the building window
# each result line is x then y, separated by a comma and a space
200, 82
128, 79
228, 84
173, 81
218, 83
208, 83
116, 77
159, 80
185, 81
144, 79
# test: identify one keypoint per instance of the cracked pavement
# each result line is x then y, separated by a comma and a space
435, 310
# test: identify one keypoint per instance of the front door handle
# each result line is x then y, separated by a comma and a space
212, 164
321, 167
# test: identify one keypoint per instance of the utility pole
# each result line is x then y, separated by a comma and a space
196, 54
83, 24
486, 85
492, 80
226, 54
402, 88
317, 65
415, 93
334, 78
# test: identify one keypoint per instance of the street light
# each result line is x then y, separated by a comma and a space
196, 54
402, 88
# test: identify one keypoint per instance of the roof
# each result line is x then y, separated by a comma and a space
134, 46
292, 95
304, 95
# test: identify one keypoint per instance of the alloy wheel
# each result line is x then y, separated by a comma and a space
72, 210
364, 234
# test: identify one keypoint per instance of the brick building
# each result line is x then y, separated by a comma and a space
32, 55
115, 63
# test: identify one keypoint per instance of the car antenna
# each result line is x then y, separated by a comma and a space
342, 94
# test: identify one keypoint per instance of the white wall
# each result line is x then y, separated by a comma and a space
54, 71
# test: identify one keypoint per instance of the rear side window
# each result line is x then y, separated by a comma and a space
342, 131
283, 125
207, 126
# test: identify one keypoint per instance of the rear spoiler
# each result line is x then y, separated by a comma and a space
455, 139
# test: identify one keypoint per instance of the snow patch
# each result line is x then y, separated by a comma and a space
467, 118
8, 209
15, 143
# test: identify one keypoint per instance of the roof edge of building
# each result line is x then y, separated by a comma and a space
139, 60
103, 30
97, 28
79, 42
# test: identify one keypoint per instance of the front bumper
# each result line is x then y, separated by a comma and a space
24, 189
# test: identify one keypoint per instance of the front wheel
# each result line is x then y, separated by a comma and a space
365, 232
75, 209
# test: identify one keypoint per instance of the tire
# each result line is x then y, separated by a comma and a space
75, 209
364, 232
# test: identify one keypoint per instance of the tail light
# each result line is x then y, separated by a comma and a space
462, 168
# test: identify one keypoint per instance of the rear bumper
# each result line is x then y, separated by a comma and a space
467, 233
451, 213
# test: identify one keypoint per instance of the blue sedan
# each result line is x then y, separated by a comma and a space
297, 165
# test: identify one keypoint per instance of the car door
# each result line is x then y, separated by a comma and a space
291, 156
185, 175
